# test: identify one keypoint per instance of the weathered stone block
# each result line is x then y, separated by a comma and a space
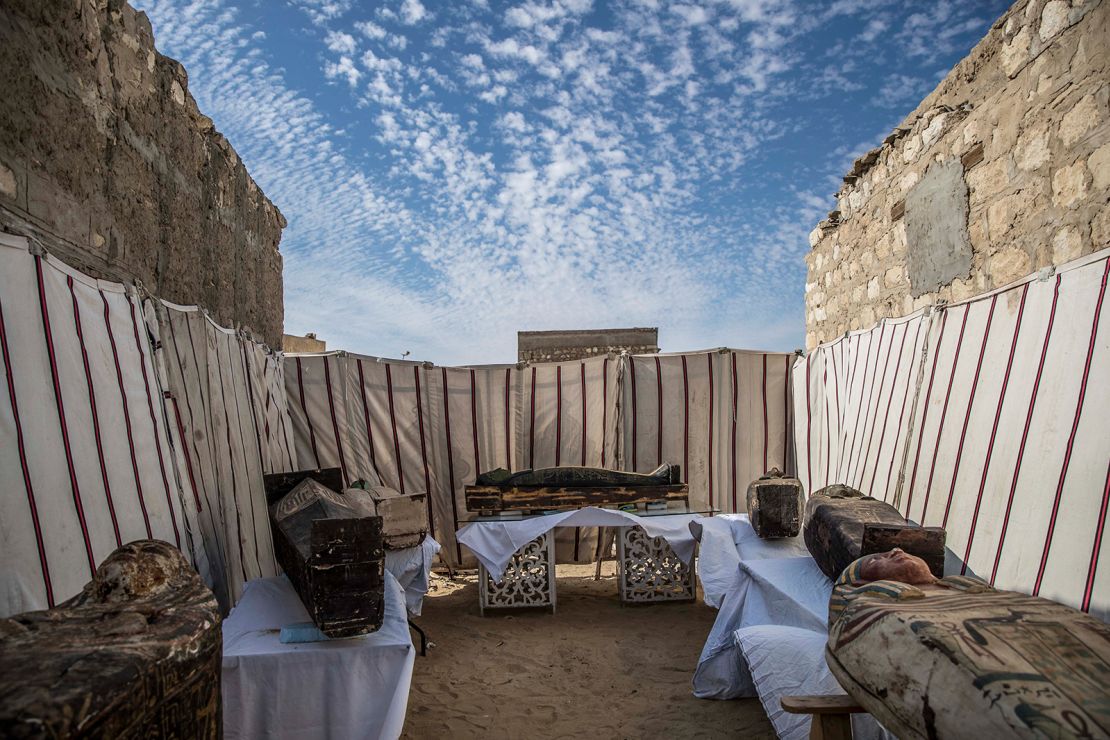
1084, 116
1099, 165
1069, 184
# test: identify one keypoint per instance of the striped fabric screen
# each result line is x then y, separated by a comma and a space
415, 427
125, 419
86, 460
721, 414
986, 417
427, 429
225, 397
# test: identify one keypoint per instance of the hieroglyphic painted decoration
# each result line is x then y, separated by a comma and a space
970, 661
650, 570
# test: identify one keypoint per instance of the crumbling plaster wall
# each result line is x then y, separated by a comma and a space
1025, 117
106, 161
578, 344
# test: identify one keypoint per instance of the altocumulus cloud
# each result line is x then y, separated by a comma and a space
454, 172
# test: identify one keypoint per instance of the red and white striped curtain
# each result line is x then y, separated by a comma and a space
225, 396
721, 414
86, 460
424, 429
991, 422
126, 419
568, 416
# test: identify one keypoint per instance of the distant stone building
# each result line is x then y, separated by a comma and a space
106, 162
307, 343
558, 346
1004, 169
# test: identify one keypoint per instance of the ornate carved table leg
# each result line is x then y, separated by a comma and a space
649, 571
528, 580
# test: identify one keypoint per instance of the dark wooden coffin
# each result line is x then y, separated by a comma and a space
404, 516
569, 487
330, 546
776, 504
279, 484
841, 525
135, 655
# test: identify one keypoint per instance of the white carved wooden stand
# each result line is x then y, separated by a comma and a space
528, 580
648, 570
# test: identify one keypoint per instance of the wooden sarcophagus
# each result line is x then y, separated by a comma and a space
404, 516
959, 659
135, 655
572, 487
841, 525
330, 546
776, 504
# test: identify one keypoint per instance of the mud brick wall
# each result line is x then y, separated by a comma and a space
1004, 169
577, 344
106, 161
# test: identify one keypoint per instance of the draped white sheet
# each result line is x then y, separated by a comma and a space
987, 417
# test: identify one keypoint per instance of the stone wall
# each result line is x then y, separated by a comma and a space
106, 161
307, 343
561, 346
1004, 169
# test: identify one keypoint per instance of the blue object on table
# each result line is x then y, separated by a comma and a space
301, 632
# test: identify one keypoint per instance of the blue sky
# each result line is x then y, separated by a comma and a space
455, 172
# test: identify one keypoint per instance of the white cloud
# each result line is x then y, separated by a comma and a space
540, 166
343, 68
693, 15
322, 11
412, 12
340, 43
371, 30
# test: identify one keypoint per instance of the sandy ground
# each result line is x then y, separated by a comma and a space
594, 669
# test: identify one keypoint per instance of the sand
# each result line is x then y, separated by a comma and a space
594, 669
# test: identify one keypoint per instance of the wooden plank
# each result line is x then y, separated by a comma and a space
526, 498
813, 704
925, 542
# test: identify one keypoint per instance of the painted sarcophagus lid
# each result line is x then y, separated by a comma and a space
330, 546
135, 655
960, 659
572, 487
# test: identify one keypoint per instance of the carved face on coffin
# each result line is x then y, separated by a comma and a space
896, 565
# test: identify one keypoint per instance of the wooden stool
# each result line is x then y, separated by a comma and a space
832, 715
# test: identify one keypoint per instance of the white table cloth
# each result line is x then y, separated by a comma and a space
352, 688
494, 542
726, 539
411, 567
772, 625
